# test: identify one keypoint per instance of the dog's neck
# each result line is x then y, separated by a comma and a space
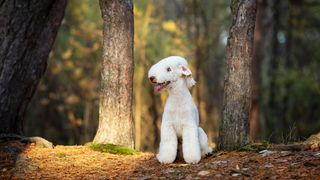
179, 90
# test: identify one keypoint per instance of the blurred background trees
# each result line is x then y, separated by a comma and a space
65, 107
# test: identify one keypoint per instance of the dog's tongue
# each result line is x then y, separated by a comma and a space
158, 87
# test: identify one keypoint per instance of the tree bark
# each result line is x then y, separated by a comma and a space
27, 31
234, 127
115, 114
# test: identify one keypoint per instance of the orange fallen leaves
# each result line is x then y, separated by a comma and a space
80, 162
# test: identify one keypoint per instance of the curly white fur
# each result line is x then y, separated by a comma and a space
180, 117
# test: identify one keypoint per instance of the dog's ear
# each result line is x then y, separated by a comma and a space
187, 74
185, 71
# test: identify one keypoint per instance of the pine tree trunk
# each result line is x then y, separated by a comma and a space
27, 32
234, 127
115, 114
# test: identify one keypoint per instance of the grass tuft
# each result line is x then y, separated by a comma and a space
112, 149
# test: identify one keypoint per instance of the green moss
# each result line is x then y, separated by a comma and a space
61, 155
112, 149
255, 146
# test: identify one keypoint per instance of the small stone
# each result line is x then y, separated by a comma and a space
265, 152
268, 166
4, 169
235, 174
203, 173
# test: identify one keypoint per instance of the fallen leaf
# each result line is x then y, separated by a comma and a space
203, 173
315, 147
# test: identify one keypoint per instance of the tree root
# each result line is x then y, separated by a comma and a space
312, 143
38, 141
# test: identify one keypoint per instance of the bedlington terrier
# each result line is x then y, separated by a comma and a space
180, 118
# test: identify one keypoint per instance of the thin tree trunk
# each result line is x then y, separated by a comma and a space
234, 127
115, 114
87, 124
139, 76
262, 51
156, 121
256, 69
27, 32
273, 116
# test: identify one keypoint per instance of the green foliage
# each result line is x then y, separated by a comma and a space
113, 149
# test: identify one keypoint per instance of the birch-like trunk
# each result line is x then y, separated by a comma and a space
115, 113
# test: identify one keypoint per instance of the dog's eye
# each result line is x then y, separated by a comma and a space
168, 69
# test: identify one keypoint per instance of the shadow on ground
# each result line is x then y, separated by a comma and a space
10, 154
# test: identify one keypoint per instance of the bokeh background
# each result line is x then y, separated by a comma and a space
286, 69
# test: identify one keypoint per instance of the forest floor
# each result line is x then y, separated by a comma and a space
26, 161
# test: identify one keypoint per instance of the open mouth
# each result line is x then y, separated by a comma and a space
159, 86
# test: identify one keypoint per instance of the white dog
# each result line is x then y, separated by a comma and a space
180, 117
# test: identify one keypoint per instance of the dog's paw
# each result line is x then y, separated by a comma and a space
192, 158
165, 159
206, 152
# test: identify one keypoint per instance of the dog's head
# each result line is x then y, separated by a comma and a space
169, 71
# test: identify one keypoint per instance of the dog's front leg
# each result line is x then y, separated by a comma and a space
168, 145
191, 145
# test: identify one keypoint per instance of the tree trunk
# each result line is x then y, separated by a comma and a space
234, 127
262, 51
274, 114
115, 114
27, 32
256, 70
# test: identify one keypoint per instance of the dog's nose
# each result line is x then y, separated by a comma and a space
153, 79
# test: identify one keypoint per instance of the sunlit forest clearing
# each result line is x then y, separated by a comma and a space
81, 162
76, 101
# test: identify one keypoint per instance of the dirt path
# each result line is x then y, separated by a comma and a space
80, 162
